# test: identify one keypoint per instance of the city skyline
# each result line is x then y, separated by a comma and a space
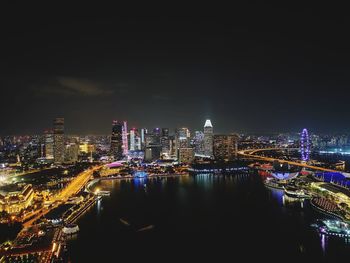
174, 135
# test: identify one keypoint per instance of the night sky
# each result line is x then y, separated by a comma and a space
256, 69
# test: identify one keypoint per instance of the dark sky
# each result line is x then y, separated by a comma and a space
255, 69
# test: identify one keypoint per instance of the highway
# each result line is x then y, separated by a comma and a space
252, 154
71, 189
76, 184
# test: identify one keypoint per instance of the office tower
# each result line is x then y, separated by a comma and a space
135, 140
208, 138
156, 134
86, 147
182, 138
117, 140
172, 146
164, 141
225, 146
59, 140
198, 142
71, 152
186, 155
125, 138
152, 145
152, 153
49, 144
132, 136
143, 134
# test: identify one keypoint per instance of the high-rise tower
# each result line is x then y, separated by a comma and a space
49, 144
125, 138
208, 138
59, 148
164, 141
117, 140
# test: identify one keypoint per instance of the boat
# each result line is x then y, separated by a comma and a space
70, 229
145, 228
295, 192
124, 222
104, 193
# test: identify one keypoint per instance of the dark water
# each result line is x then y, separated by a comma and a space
204, 217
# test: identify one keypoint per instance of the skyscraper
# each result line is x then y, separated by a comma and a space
198, 142
225, 146
186, 155
58, 140
182, 138
117, 140
164, 141
135, 140
156, 134
49, 144
143, 140
71, 152
208, 138
132, 139
125, 138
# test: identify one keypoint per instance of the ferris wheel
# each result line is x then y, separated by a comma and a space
304, 145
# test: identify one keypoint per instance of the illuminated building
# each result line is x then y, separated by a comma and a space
14, 202
182, 138
164, 141
172, 146
117, 140
153, 146
225, 146
186, 155
198, 142
135, 140
58, 140
125, 138
72, 153
86, 148
208, 138
132, 139
152, 153
143, 135
156, 134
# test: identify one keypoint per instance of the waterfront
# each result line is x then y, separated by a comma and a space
201, 217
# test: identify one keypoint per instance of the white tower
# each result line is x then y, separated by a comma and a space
208, 138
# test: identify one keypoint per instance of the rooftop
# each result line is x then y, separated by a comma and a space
208, 123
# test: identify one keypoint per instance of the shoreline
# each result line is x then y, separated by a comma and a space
129, 177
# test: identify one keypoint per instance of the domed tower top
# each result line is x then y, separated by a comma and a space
208, 124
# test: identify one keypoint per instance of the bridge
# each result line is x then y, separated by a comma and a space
252, 154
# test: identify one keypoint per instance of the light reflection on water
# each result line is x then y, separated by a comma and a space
186, 206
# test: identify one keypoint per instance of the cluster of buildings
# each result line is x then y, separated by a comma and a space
54, 146
63, 149
160, 144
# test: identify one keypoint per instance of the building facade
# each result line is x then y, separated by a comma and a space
116, 149
225, 146
49, 144
208, 138
186, 155
164, 141
59, 148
